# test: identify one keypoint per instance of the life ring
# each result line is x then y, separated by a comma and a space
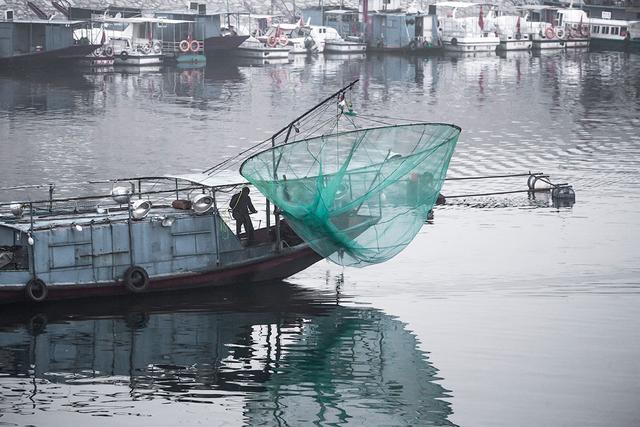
518, 36
124, 55
454, 42
184, 46
413, 45
283, 40
194, 46
157, 47
36, 290
549, 33
271, 41
108, 51
584, 30
146, 49
560, 33
136, 279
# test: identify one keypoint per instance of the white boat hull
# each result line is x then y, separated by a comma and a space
512, 43
139, 60
560, 43
262, 52
470, 44
344, 47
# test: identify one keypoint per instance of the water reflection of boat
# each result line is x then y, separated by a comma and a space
291, 354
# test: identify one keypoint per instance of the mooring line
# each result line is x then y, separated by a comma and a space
462, 178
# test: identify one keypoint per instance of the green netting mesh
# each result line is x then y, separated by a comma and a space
358, 197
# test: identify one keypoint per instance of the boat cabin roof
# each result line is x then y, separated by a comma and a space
457, 4
45, 22
142, 20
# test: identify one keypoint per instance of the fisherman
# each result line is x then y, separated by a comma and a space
241, 208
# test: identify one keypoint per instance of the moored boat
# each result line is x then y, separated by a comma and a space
463, 30
40, 43
255, 49
341, 46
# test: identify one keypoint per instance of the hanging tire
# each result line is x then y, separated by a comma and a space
413, 45
124, 55
549, 33
36, 290
136, 279
454, 42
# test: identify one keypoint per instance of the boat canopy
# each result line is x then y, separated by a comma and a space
142, 20
457, 4
46, 22
357, 197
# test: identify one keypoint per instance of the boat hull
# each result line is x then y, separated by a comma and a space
541, 44
137, 60
65, 55
275, 267
221, 44
471, 44
344, 47
262, 52
619, 45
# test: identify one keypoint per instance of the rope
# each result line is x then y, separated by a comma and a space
487, 194
462, 178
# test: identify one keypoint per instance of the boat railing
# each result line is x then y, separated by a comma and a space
110, 196
173, 48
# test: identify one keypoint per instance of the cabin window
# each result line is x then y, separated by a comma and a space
615, 31
595, 29
605, 30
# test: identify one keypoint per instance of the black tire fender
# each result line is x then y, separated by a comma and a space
36, 290
136, 279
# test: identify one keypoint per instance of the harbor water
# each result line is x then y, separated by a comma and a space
505, 310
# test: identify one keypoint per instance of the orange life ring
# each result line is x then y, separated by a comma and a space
194, 46
549, 33
184, 46
283, 40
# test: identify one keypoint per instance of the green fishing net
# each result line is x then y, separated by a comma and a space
357, 197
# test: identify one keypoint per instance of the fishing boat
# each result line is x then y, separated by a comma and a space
133, 41
465, 31
356, 197
556, 28
41, 42
299, 37
255, 49
341, 46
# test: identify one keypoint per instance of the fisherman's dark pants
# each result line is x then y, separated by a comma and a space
244, 219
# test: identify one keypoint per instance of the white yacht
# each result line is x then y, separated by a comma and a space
465, 27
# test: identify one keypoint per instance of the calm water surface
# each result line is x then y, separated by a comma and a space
504, 310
